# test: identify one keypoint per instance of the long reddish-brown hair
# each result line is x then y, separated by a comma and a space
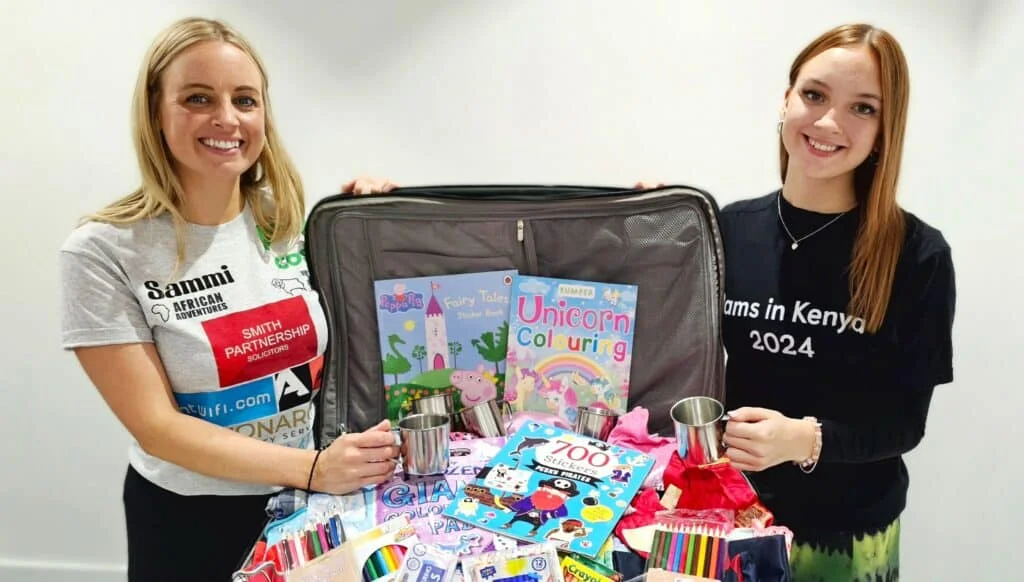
880, 237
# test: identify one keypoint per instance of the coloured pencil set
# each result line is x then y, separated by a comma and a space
386, 561
297, 548
697, 553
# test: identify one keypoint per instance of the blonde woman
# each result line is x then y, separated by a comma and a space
188, 305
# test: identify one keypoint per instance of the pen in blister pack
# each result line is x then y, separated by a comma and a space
325, 545
314, 540
337, 533
311, 543
298, 549
284, 558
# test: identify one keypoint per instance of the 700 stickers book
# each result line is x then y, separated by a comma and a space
547, 484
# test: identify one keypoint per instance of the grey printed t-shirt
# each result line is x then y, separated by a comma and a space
239, 331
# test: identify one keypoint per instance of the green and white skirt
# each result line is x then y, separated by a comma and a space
872, 556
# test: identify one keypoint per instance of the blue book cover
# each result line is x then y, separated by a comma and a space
547, 484
443, 333
570, 343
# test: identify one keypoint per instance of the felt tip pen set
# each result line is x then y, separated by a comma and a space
380, 552
383, 562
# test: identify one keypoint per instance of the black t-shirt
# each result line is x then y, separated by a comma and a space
792, 347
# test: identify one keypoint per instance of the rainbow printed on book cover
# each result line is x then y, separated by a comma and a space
445, 333
570, 343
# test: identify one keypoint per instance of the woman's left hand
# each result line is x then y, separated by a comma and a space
368, 185
758, 438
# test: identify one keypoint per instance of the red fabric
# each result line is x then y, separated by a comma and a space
717, 486
714, 486
645, 506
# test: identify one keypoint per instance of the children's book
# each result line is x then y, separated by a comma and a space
547, 484
570, 343
443, 334
422, 500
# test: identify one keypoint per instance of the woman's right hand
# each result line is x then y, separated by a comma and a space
356, 460
368, 185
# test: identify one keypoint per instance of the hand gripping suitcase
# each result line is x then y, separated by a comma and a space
664, 240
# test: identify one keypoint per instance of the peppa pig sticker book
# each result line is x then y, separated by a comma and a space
570, 344
446, 333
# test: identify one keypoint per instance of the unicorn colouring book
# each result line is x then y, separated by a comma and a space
570, 344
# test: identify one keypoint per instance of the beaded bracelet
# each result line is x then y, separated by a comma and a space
808, 464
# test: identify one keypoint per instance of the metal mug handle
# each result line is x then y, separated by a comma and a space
724, 423
505, 408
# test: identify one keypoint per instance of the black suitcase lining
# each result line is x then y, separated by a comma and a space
660, 243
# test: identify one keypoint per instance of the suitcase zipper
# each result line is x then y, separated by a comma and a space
529, 252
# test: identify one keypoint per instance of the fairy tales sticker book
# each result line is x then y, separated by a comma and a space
444, 333
547, 484
570, 344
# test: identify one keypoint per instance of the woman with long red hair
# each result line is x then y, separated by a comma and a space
838, 315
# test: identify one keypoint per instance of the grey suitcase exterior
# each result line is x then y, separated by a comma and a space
665, 240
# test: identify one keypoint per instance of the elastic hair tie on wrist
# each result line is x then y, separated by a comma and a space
309, 482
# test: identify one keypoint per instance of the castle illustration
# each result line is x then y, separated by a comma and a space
436, 332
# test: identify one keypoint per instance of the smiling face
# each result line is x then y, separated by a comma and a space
833, 113
210, 112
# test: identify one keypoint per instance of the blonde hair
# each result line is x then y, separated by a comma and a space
880, 237
272, 175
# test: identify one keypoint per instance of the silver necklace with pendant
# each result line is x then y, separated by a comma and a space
797, 241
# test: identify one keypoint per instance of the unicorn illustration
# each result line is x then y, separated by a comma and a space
605, 392
559, 397
520, 386
601, 388
611, 296
520, 357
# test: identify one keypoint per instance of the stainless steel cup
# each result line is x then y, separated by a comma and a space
425, 446
699, 425
440, 403
595, 422
486, 419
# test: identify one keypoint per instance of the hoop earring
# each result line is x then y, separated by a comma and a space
778, 127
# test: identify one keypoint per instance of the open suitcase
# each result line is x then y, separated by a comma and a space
664, 240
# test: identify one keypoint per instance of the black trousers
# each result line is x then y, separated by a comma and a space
175, 538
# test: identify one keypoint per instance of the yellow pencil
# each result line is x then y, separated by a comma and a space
700, 555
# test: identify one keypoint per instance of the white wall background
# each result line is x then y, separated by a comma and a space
484, 91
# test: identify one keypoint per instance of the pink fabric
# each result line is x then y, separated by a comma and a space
522, 417
631, 432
